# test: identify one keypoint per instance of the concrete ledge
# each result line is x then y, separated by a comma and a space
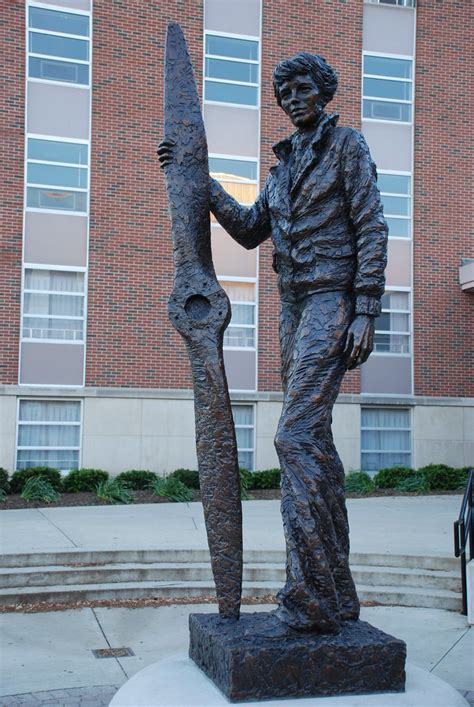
177, 682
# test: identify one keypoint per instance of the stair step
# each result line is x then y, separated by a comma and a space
385, 594
174, 571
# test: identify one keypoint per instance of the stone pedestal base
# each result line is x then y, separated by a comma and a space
254, 659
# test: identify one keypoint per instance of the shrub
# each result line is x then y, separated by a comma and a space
83, 480
20, 477
266, 479
188, 477
245, 483
113, 491
390, 477
359, 482
416, 483
441, 477
4, 483
38, 488
3, 495
136, 479
172, 488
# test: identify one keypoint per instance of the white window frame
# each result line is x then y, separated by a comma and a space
24, 290
409, 196
409, 429
83, 190
397, 3
407, 333
253, 427
256, 62
383, 55
68, 10
57, 449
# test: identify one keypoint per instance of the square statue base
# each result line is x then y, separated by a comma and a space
249, 660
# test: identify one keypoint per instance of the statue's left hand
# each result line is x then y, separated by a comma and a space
359, 341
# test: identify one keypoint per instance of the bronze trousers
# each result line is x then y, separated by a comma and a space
319, 592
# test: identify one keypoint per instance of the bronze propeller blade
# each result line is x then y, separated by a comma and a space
200, 311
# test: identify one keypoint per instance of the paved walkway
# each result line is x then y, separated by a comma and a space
47, 658
404, 525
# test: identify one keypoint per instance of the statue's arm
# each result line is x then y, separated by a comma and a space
366, 213
249, 226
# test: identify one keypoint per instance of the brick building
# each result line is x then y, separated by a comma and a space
91, 372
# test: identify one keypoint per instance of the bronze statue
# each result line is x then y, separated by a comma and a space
321, 208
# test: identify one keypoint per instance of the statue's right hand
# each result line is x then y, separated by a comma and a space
165, 152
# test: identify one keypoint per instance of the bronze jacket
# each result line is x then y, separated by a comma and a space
326, 223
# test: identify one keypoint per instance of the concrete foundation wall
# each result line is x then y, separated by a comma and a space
443, 435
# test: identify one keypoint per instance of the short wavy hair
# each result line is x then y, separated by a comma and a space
316, 66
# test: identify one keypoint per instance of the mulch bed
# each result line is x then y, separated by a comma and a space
14, 501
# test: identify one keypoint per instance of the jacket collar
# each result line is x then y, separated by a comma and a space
284, 148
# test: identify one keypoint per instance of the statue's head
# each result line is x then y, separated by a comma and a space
303, 85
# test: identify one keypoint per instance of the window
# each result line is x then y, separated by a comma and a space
385, 438
400, 3
242, 328
231, 70
49, 433
395, 190
245, 433
57, 175
392, 328
58, 46
387, 88
53, 305
237, 176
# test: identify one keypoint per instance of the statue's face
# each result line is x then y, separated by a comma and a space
300, 99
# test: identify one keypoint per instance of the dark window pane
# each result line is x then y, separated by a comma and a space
398, 227
58, 176
57, 151
55, 21
231, 93
396, 205
232, 70
233, 168
230, 46
54, 45
394, 183
54, 70
381, 110
387, 66
399, 90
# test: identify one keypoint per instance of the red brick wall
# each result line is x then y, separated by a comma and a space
130, 341
334, 30
443, 199
12, 112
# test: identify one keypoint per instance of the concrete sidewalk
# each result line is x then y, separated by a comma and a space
403, 525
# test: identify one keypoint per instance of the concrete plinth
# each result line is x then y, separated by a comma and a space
177, 682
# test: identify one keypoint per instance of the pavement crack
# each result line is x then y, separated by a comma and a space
57, 527
108, 642
450, 649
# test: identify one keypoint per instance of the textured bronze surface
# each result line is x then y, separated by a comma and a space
251, 660
200, 311
321, 208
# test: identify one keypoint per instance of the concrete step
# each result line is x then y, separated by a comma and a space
94, 556
172, 571
384, 594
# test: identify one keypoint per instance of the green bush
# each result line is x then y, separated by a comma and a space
20, 477
266, 479
359, 482
38, 488
136, 479
441, 477
83, 480
113, 491
172, 488
4, 483
416, 483
188, 477
3, 495
390, 477
245, 483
